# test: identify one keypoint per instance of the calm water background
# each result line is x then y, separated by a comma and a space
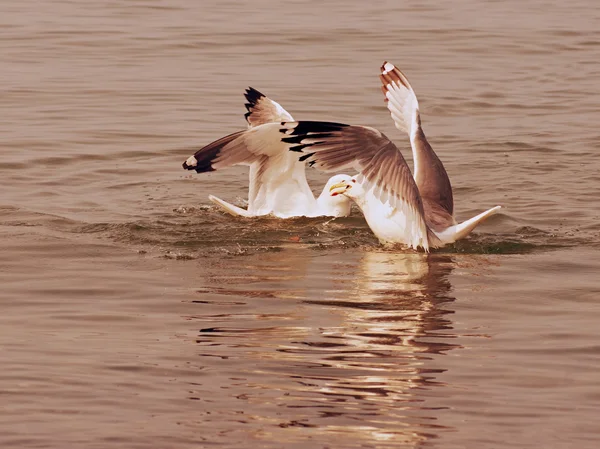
134, 315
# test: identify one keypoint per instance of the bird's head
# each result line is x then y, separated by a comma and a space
345, 185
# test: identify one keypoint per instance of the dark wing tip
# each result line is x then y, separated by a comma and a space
202, 160
252, 96
304, 127
203, 167
306, 156
200, 168
392, 74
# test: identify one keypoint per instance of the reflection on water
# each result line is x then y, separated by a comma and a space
351, 355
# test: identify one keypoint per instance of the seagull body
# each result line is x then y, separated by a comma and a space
384, 219
384, 189
278, 184
392, 225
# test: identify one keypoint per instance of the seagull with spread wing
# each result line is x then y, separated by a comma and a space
399, 208
278, 183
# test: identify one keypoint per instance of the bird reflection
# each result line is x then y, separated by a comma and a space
394, 298
351, 340
394, 322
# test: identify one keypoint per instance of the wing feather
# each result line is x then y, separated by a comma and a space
336, 146
261, 109
431, 176
400, 97
240, 148
272, 166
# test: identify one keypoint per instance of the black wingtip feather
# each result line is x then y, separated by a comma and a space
252, 96
306, 156
305, 127
207, 154
293, 139
201, 167
299, 148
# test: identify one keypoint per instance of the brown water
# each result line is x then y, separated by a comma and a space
136, 316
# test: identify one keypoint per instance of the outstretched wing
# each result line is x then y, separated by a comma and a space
240, 148
260, 148
261, 109
400, 98
336, 146
430, 174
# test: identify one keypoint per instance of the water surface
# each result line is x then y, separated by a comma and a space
136, 315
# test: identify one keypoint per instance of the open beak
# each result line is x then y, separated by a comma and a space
339, 188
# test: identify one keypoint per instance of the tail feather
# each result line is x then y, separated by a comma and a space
460, 231
230, 208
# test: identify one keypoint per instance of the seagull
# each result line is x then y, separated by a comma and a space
399, 208
384, 188
278, 183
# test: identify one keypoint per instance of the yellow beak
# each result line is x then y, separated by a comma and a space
338, 188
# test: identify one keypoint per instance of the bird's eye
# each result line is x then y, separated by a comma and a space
354, 180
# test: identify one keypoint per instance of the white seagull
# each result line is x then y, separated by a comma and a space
278, 183
417, 212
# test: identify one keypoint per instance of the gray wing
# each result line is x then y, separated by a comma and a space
336, 146
261, 109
